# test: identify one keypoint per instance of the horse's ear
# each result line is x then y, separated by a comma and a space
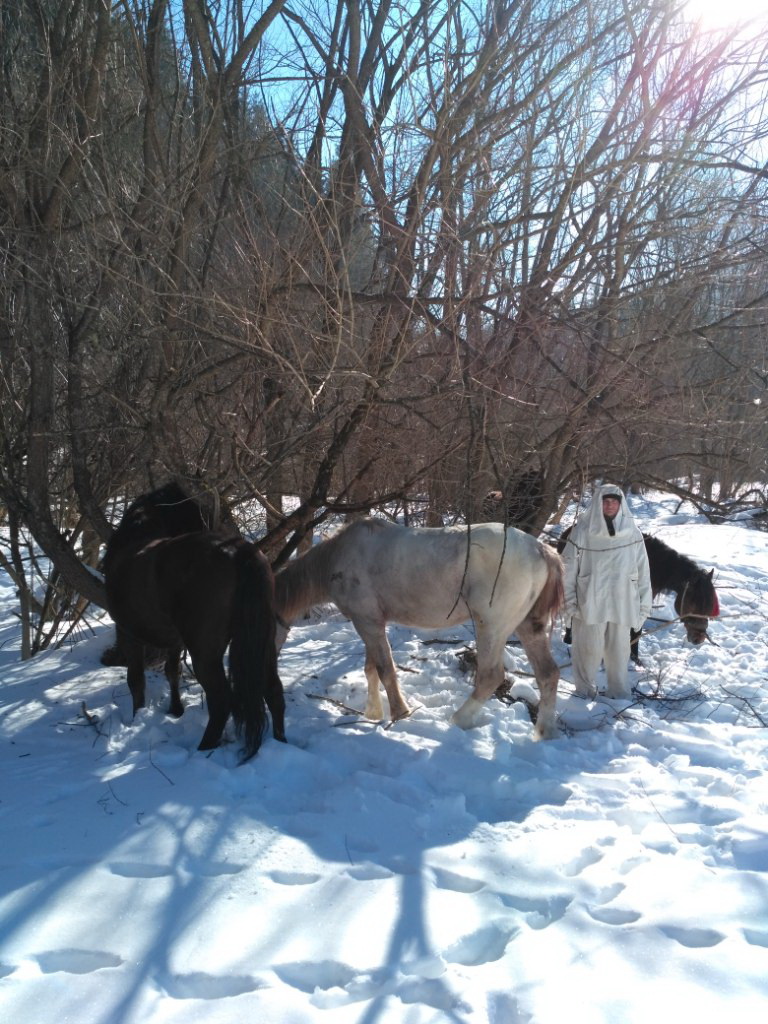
711, 573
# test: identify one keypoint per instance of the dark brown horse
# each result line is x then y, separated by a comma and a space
672, 573
173, 584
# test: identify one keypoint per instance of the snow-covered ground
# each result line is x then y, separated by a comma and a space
365, 875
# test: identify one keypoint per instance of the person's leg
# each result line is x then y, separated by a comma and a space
586, 654
616, 657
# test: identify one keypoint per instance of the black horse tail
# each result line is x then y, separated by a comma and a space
252, 654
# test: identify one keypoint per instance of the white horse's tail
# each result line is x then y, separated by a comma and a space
550, 600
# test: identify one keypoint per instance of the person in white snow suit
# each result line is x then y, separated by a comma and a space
607, 590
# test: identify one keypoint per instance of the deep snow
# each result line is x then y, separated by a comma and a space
412, 874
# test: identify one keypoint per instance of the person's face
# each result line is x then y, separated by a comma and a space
610, 507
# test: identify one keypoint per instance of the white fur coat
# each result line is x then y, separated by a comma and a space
607, 578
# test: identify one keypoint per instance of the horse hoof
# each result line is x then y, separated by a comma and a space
403, 714
549, 732
466, 716
584, 693
113, 657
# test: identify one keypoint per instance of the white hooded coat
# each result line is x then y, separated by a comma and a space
607, 578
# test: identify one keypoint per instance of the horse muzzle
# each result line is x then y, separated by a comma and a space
696, 629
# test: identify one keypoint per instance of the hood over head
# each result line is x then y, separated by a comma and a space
592, 521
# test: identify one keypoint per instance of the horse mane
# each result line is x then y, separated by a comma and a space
672, 572
305, 581
168, 511
669, 568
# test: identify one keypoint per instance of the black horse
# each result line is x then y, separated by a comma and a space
695, 595
173, 584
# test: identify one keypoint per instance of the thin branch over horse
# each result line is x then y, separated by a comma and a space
377, 572
673, 573
173, 584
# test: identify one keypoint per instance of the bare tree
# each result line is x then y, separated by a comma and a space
372, 253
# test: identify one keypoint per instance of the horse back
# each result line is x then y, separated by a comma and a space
199, 582
171, 591
379, 571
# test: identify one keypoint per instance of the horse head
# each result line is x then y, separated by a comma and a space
169, 511
696, 603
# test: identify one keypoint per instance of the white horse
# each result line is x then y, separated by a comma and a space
377, 572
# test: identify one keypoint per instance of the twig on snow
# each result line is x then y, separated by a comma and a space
336, 703
157, 768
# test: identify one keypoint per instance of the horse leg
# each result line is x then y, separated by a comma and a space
136, 682
488, 677
374, 709
172, 670
213, 679
535, 639
379, 665
275, 699
134, 658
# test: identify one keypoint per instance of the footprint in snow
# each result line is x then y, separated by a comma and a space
538, 913
609, 892
209, 986
76, 961
134, 869
331, 984
206, 869
693, 938
294, 877
629, 865
484, 946
584, 860
613, 915
212, 869
455, 882
754, 936
323, 975
368, 872
434, 993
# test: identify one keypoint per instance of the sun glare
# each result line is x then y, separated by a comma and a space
724, 13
